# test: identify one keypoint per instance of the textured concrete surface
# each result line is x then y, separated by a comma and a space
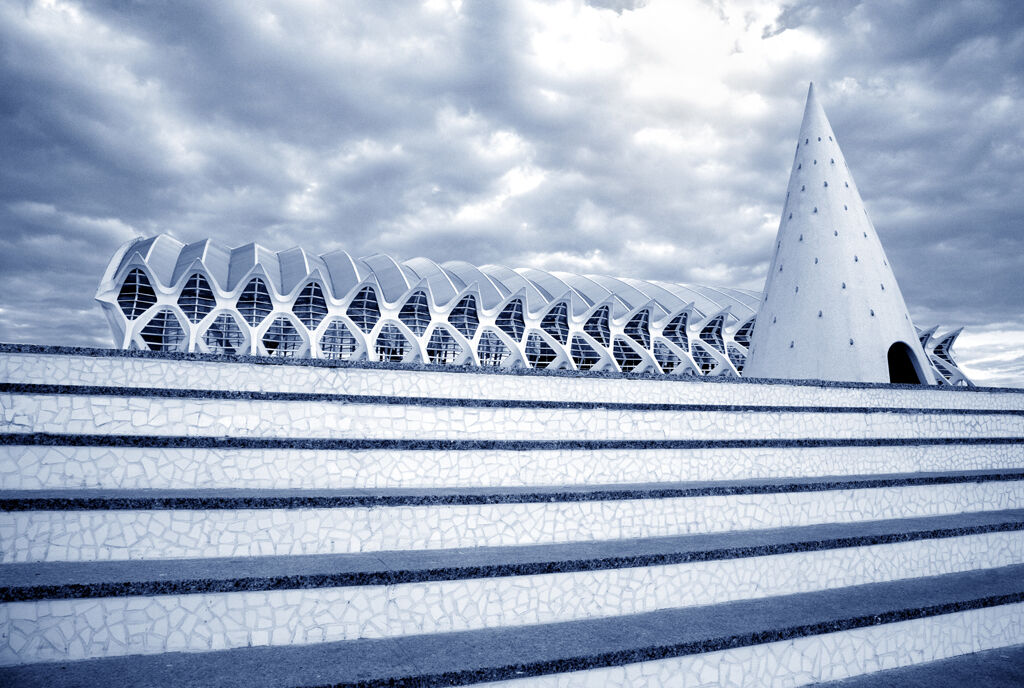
999, 668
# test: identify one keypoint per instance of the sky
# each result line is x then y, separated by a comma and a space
638, 139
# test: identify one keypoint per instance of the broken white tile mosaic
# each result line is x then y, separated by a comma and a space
191, 533
61, 630
60, 467
271, 377
259, 418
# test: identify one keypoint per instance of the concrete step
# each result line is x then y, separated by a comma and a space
791, 640
91, 525
64, 365
34, 461
63, 611
999, 668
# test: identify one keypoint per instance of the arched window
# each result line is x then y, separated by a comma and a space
675, 332
704, 360
637, 329
415, 314
942, 350
197, 299
363, 310
712, 334
510, 320
556, 323
627, 357
667, 360
338, 342
442, 347
597, 326
224, 336
163, 332
945, 374
282, 339
583, 355
391, 343
254, 302
744, 334
464, 318
310, 306
538, 353
136, 294
737, 358
491, 350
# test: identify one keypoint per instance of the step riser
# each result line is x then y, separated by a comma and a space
45, 467
811, 659
34, 536
203, 417
116, 626
142, 372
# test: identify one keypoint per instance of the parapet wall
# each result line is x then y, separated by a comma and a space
67, 365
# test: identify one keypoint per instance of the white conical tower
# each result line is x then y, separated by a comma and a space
831, 308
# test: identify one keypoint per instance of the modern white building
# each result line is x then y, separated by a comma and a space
162, 294
181, 519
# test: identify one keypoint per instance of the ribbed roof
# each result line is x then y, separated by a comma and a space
172, 261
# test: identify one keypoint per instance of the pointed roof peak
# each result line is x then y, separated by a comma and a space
815, 123
812, 103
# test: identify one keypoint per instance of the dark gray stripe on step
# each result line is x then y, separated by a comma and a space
245, 395
350, 444
201, 499
76, 580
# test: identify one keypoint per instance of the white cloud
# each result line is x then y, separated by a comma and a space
641, 139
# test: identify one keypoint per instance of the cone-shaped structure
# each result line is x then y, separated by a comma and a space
831, 308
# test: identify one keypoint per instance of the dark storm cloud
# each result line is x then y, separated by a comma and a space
927, 98
644, 139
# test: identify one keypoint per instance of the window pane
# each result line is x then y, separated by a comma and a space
136, 294
363, 310
254, 302
197, 299
310, 307
224, 336
163, 333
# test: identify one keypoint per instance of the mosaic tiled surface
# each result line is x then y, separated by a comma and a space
160, 534
155, 372
52, 630
808, 660
57, 467
201, 417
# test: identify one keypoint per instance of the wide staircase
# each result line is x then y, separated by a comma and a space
185, 520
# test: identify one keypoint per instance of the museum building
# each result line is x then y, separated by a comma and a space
161, 294
323, 470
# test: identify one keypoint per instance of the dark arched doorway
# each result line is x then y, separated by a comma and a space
903, 366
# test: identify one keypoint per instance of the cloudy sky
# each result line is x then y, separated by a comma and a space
648, 139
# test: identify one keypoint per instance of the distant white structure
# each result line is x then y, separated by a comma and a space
161, 294
832, 309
